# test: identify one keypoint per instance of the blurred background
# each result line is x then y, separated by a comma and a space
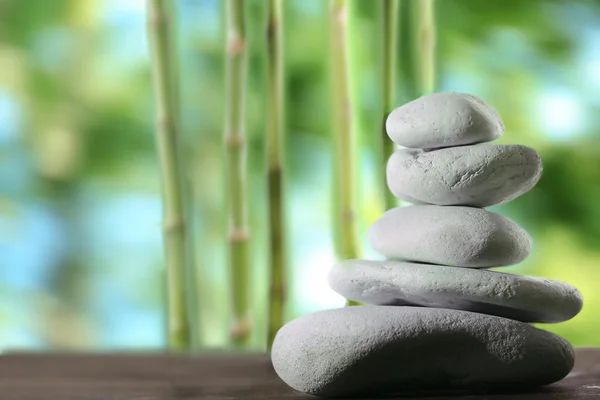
81, 259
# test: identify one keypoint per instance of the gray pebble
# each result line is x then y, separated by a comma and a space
522, 298
383, 350
480, 175
444, 120
455, 236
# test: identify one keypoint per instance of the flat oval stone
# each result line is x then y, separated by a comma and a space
444, 120
522, 298
455, 236
480, 175
378, 350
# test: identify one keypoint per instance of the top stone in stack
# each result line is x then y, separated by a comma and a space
444, 120
463, 169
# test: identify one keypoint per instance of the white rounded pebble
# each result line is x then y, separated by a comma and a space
444, 120
480, 175
379, 350
455, 236
522, 298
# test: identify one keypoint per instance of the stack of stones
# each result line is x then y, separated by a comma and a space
438, 318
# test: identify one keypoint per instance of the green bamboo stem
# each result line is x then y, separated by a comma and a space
417, 41
426, 46
275, 162
345, 229
389, 22
167, 142
407, 59
235, 148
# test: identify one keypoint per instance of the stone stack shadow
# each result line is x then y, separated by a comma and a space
437, 317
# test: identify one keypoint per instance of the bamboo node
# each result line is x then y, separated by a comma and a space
278, 291
240, 330
341, 15
348, 108
272, 27
427, 37
174, 225
239, 235
349, 216
164, 123
235, 44
157, 19
234, 141
179, 330
275, 169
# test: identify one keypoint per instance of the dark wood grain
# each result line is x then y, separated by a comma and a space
211, 377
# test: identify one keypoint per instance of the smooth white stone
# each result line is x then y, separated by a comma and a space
444, 120
370, 351
455, 236
522, 298
480, 175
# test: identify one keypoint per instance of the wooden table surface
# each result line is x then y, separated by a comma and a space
211, 377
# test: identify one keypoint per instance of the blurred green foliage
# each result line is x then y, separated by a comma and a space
80, 249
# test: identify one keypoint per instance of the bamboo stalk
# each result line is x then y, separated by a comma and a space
275, 162
235, 148
426, 46
389, 22
407, 59
167, 142
417, 37
345, 229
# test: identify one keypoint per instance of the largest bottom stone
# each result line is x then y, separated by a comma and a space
387, 349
